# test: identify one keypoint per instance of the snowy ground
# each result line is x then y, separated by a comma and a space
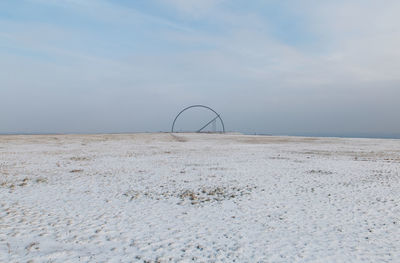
203, 198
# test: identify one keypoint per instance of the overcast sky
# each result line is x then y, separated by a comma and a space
281, 67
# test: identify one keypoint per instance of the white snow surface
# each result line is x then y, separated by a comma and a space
198, 197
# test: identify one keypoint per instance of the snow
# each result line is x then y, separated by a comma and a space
198, 197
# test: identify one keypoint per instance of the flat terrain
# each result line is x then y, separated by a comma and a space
198, 197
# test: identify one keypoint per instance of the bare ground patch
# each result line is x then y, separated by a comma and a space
76, 171
194, 196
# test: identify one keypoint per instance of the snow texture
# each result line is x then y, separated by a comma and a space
198, 197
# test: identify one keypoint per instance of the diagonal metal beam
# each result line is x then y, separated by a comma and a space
202, 128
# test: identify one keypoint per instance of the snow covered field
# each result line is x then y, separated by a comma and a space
198, 197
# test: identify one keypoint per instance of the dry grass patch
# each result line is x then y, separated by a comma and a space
41, 180
178, 138
320, 172
21, 183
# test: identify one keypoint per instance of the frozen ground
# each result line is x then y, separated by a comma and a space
206, 198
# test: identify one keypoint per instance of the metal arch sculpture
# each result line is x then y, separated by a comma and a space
208, 123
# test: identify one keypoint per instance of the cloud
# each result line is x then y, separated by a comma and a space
124, 59
193, 7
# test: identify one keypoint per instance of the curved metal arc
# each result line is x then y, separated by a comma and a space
208, 123
198, 106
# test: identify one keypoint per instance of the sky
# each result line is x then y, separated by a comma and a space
269, 67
